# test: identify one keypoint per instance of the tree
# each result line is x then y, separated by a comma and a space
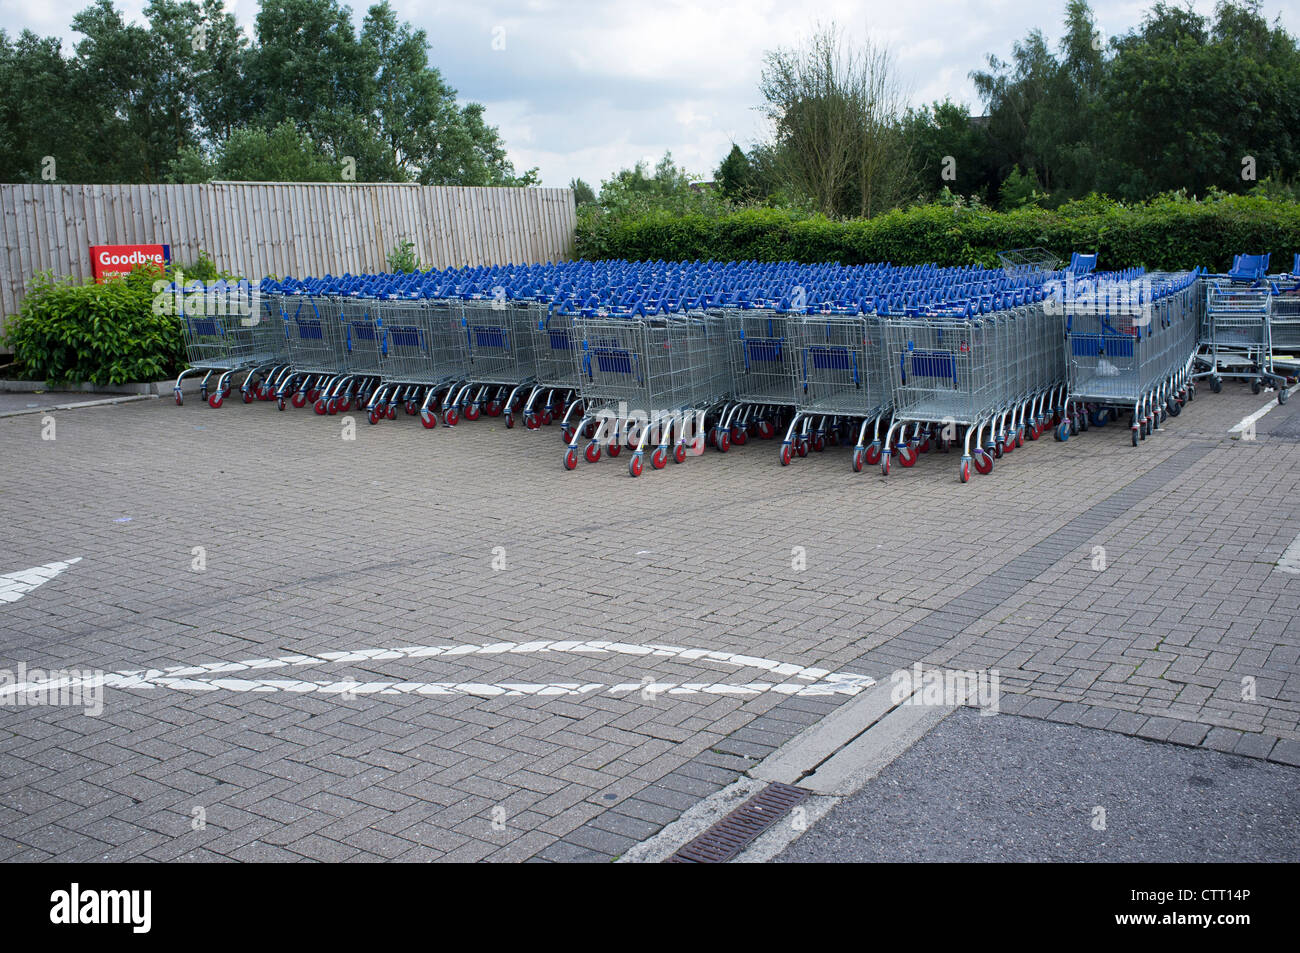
735, 176
950, 150
836, 115
583, 194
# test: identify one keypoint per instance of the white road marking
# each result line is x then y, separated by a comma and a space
215, 676
1290, 561
1249, 422
15, 585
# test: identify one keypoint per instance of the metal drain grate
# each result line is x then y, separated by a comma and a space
727, 838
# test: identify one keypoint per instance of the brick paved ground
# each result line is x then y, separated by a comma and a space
315, 544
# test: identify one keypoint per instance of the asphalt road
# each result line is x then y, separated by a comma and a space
1007, 788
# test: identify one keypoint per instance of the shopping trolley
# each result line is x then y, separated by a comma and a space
764, 362
555, 346
499, 344
1236, 341
223, 336
422, 359
317, 346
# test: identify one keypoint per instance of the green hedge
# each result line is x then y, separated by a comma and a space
1169, 233
82, 332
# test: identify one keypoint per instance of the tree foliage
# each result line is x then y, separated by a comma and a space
188, 95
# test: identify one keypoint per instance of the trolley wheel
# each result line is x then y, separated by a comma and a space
392, 411
225, 391
344, 404
785, 454
907, 455
1062, 432
659, 459
711, 438
374, 415
964, 473
471, 411
570, 459
299, 399
429, 419
248, 396
679, 453
214, 401
884, 463
319, 407
724, 441
983, 461
332, 406
1281, 394
180, 399
547, 418
1216, 384
279, 402
1136, 434
766, 429
801, 446
1020, 437
615, 448
312, 395
1034, 430
998, 449
593, 452
872, 455
1256, 386
531, 422
634, 465
493, 408
739, 435
450, 417
567, 434
924, 445
858, 454
510, 421
819, 442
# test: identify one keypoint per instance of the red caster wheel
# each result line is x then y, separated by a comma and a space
428, 419
907, 455
818, 442
374, 415
711, 439
615, 448
332, 406
279, 402
180, 399
593, 452
634, 465
319, 407
872, 455
531, 422
299, 399
567, 434
724, 441
679, 453
248, 396
344, 404
801, 447
471, 412
859, 457
547, 419
215, 400
923, 446
739, 435
964, 473
766, 429
570, 459
984, 462
510, 421
392, 411
312, 395
884, 464
659, 459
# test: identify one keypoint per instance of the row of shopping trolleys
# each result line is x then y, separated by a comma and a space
889, 376
1251, 326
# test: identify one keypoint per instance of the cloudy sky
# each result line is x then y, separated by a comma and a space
585, 87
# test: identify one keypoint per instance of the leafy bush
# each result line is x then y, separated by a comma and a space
1169, 232
75, 332
403, 259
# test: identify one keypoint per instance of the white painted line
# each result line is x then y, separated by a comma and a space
1290, 561
1249, 422
79, 404
200, 678
15, 585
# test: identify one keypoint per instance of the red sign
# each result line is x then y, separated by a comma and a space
114, 261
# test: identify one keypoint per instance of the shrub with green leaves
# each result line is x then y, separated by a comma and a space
1170, 232
81, 332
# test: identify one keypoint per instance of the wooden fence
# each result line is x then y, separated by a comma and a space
278, 228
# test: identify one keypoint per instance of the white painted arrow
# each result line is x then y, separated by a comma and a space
15, 585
